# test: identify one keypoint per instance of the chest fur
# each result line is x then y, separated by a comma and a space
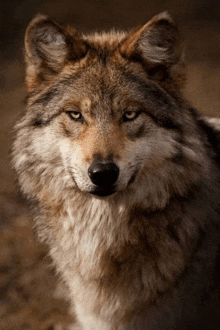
118, 247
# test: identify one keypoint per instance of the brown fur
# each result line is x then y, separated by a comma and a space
116, 98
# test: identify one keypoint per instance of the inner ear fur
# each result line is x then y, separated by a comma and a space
48, 47
158, 45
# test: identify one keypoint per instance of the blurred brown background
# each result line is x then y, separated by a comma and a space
26, 282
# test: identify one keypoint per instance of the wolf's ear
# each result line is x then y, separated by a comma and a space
48, 46
158, 44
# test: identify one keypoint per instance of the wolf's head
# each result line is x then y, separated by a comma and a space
105, 114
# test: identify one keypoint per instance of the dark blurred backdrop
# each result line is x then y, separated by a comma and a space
23, 270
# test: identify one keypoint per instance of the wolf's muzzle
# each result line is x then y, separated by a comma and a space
104, 176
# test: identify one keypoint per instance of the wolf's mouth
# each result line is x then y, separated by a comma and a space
103, 192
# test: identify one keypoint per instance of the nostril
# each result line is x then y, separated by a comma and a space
103, 175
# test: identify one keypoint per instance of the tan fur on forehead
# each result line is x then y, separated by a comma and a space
109, 37
84, 104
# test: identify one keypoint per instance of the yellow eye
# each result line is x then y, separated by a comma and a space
75, 115
130, 115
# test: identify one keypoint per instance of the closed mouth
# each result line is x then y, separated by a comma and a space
102, 192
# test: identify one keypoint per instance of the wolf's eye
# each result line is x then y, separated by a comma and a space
75, 115
130, 115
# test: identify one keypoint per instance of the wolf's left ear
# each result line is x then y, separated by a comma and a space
48, 46
158, 44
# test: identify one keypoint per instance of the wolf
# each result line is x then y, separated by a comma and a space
123, 174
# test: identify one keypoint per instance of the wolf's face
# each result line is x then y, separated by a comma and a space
107, 132
106, 109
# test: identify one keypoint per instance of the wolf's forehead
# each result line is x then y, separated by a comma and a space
92, 83
99, 80
97, 87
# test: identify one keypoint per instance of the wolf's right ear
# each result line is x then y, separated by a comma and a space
48, 47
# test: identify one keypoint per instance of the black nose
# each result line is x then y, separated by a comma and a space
103, 175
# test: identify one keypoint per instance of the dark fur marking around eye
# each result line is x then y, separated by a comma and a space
140, 132
162, 110
137, 134
164, 122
